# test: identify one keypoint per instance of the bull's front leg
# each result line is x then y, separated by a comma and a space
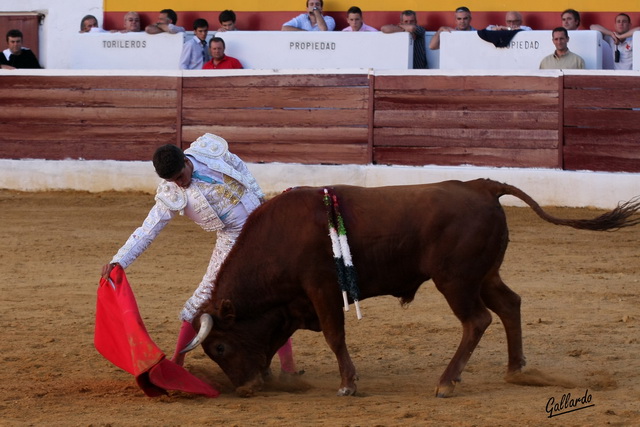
347, 369
331, 319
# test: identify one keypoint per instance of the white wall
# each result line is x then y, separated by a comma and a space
550, 187
302, 49
466, 50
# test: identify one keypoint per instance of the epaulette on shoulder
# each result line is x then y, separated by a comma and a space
208, 145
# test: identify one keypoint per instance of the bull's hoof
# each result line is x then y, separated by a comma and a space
445, 390
346, 391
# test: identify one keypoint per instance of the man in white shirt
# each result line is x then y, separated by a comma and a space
620, 40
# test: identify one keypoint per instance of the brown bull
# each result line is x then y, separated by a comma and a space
281, 276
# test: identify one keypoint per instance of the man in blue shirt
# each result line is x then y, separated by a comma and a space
313, 20
195, 51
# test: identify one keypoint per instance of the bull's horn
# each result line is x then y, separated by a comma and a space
206, 324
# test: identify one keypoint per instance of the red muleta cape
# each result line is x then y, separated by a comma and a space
121, 337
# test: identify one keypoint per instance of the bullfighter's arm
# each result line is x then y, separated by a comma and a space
158, 217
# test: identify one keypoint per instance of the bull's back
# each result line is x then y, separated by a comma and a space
400, 236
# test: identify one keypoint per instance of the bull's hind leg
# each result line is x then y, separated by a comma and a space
506, 304
475, 318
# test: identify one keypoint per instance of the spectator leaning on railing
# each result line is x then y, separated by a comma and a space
166, 23
409, 23
313, 20
227, 19
620, 40
463, 23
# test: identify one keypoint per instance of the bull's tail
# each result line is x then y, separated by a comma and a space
626, 214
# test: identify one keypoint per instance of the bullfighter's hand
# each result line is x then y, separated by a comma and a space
106, 270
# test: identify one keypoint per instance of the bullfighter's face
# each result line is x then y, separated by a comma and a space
183, 178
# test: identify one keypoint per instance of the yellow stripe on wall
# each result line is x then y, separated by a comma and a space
628, 6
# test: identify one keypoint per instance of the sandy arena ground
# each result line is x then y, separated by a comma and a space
581, 324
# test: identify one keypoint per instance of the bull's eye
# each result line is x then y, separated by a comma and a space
220, 349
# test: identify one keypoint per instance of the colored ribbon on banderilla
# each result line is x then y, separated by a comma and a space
347, 278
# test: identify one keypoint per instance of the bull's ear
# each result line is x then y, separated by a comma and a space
227, 312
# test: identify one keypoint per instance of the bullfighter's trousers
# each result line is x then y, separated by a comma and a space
224, 242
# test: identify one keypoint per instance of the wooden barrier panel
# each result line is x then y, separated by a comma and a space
576, 120
286, 118
602, 122
477, 120
86, 117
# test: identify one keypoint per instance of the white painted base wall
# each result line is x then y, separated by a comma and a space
549, 187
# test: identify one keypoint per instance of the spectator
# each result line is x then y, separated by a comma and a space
513, 22
562, 58
570, 19
463, 23
313, 20
17, 56
194, 51
220, 61
409, 23
89, 24
131, 23
620, 40
227, 19
354, 18
167, 20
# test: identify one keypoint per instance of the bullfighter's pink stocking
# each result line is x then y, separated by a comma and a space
285, 353
184, 337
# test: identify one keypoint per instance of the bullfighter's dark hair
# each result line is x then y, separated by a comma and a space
14, 33
168, 161
354, 9
171, 14
200, 23
227, 15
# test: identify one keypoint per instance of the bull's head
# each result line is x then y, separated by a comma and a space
242, 349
